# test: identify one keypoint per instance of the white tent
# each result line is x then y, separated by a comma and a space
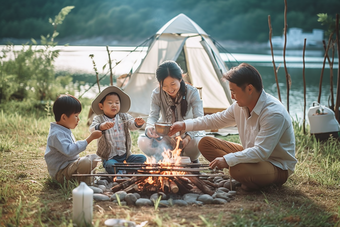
183, 41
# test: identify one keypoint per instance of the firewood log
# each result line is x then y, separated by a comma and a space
173, 187
127, 183
201, 185
208, 182
183, 188
132, 188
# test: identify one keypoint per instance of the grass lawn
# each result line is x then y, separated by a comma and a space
28, 196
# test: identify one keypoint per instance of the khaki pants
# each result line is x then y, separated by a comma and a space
252, 175
80, 166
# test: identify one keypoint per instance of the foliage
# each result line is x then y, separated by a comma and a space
29, 73
327, 20
136, 20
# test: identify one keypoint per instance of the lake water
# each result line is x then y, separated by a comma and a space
76, 59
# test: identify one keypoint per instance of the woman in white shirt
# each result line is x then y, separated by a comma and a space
172, 101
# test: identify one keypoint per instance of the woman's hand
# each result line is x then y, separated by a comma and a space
107, 125
139, 121
151, 133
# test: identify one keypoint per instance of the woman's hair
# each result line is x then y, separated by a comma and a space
172, 69
66, 104
243, 75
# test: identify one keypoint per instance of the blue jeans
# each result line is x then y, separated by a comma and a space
134, 158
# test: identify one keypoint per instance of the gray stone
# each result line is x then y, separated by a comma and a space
120, 194
154, 197
190, 198
100, 197
222, 195
211, 179
236, 183
143, 202
102, 182
217, 179
179, 202
163, 203
164, 196
130, 199
137, 195
221, 183
96, 189
222, 189
198, 203
232, 193
102, 187
219, 201
205, 198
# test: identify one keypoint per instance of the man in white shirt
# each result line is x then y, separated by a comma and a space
267, 153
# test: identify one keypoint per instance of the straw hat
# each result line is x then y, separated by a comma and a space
125, 101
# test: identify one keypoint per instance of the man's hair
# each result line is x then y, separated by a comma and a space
244, 74
66, 104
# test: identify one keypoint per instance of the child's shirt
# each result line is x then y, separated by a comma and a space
117, 140
115, 137
62, 148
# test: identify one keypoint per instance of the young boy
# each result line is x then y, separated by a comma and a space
62, 150
114, 146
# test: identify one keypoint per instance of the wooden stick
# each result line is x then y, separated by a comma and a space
284, 55
144, 175
231, 185
337, 102
304, 88
201, 185
271, 48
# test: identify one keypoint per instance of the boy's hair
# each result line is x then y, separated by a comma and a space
111, 93
66, 104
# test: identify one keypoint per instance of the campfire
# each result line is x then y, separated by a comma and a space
174, 174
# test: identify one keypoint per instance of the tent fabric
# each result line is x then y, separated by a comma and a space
204, 65
181, 25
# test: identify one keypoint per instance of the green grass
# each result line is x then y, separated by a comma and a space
29, 197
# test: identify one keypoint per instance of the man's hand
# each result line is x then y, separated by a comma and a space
107, 125
219, 163
176, 127
185, 141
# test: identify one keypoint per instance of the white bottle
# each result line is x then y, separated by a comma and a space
82, 205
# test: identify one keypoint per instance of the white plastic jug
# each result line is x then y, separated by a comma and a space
82, 205
322, 121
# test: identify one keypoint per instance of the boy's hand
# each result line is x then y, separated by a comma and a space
139, 121
107, 125
94, 135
